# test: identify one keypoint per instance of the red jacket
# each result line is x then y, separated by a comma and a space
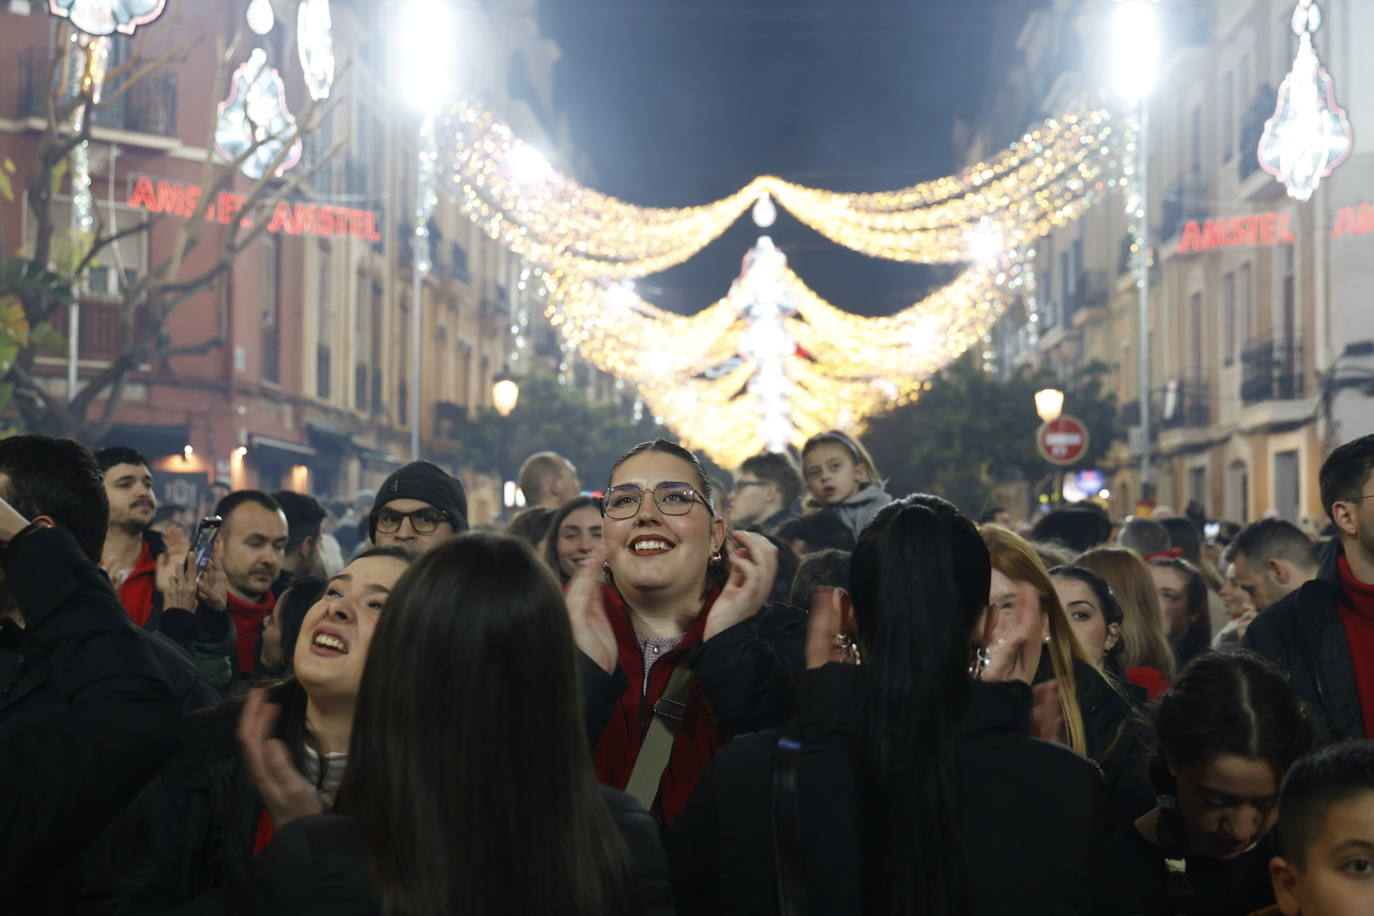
139, 590
744, 682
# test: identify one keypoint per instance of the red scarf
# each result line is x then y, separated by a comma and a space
1357, 613
248, 624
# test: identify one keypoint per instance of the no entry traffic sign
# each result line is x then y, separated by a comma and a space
1062, 441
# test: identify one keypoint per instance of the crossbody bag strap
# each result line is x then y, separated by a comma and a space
658, 741
787, 853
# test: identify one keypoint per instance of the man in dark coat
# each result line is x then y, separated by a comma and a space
1322, 635
86, 717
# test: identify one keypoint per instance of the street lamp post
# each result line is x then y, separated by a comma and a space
1049, 404
1137, 59
423, 45
505, 394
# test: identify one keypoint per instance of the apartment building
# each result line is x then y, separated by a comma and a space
1260, 330
309, 389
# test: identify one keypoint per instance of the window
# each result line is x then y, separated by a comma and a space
1247, 318
1228, 319
271, 339
1195, 143
1195, 333
324, 326
1228, 115
120, 264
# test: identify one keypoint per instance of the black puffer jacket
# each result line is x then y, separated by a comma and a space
1115, 730
1303, 634
317, 866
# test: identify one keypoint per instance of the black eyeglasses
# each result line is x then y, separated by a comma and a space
423, 521
743, 484
672, 497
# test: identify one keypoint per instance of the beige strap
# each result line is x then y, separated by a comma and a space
658, 742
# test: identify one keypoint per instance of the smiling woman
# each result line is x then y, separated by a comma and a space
674, 614
203, 808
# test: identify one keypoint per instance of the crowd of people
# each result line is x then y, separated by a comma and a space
800, 696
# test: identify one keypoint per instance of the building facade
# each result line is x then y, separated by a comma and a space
307, 383
1260, 333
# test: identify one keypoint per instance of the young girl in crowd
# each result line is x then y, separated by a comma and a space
1224, 736
574, 537
1033, 641
199, 824
1146, 656
1183, 600
843, 480
904, 785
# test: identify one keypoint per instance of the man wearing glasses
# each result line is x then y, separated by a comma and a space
1322, 635
766, 487
418, 507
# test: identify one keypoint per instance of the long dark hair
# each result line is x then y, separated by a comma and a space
1198, 637
469, 770
556, 521
919, 579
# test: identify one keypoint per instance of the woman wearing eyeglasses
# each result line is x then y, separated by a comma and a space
681, 654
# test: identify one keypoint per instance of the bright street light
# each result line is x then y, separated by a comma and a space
1135, 24
426, 32
1049, 404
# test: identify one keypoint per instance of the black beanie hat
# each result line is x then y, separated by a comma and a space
428, 483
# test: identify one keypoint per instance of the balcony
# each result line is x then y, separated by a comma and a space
1186, 200
1186, 404
1271, 370
147, 107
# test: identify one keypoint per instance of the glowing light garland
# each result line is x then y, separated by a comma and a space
315, 41
1309, 133
772, 362
105, 17
256, 112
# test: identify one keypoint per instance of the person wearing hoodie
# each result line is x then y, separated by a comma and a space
843, 480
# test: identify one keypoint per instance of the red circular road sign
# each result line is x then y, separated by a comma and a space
1062, 441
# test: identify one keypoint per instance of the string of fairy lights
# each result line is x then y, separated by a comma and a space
772, 362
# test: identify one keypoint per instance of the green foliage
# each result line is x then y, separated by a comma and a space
971, 427
550, 416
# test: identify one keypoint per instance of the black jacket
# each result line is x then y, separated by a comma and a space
1303, 634
1115, 729
1028, 811
86, 717
1133, 880
190, 830
317, 866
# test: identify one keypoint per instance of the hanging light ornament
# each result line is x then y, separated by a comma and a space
261, 19
1309, 133
765, 213
105, 17
255, 113
315, 41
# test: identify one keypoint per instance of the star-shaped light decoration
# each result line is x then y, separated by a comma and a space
105, 17
255, 113
315, 39
1309, 133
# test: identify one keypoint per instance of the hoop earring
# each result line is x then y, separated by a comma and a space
980, 662
848, 649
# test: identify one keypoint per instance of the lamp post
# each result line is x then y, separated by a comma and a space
1136, 60
1049, 404
505, 394
423, 45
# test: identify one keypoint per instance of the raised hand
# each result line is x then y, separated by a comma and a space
176, 580
213, 584
753, 567
285, 793
587, 613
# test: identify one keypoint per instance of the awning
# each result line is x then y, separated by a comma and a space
292, 450
376, 457
328, 435
153, 441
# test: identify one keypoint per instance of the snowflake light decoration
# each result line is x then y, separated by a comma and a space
105, 17
255, 113
315, 40
1309, 133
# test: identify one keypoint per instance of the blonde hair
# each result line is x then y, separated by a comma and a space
1014, 557
1143, 643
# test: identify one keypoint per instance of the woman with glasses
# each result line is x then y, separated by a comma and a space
680, 652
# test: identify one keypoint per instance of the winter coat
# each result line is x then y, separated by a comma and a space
192, 828
1028, 811
1115, 733
138, 593
861, 508
743, 681
1303, 634
1132, 880
318, 866
86, 716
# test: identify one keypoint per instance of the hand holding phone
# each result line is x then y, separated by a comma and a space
203, 544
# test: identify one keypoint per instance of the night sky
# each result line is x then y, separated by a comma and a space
679, 102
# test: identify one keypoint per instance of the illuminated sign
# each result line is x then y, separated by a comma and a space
1358, 220
1236, 232
290, 218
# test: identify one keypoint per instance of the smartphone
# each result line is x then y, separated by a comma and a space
1211, 530
203, 544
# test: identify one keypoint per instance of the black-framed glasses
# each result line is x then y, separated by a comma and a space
673, 498
423, 521
745, 484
